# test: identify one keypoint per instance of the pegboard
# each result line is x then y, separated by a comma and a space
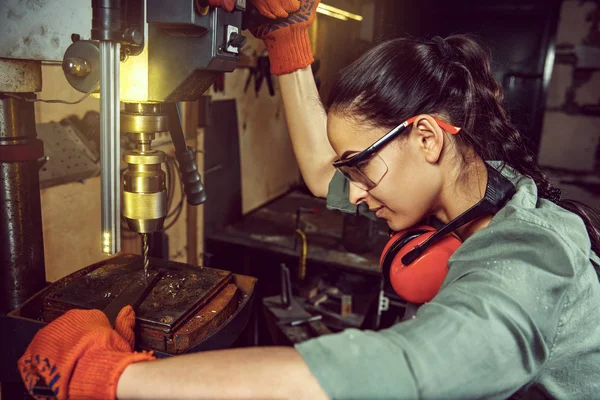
70, 155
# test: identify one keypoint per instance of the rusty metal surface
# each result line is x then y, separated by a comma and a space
272, 228
21, 324
22, 271
179, 294
210, 318
20, 76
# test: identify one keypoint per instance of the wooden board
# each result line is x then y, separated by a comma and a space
268, 164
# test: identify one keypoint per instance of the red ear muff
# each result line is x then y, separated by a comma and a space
419, 281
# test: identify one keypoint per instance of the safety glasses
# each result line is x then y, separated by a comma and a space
366, 168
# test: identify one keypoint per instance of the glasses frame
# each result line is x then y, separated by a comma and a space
388, 137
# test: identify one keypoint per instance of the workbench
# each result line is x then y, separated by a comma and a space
272, 229
263, 239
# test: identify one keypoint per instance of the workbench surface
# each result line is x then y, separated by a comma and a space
272, 227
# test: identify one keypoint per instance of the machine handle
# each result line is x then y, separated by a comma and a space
190, 176
186, 158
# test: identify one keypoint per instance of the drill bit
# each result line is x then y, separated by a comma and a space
145, 253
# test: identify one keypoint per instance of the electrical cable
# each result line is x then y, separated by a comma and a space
170, 183
176, 213
179, 204
170, 212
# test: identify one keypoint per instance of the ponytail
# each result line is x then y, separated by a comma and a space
502, 140
404, 77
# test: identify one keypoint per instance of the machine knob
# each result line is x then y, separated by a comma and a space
134, 35
236, 40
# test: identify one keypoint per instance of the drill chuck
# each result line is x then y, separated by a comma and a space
144, 186
144, 191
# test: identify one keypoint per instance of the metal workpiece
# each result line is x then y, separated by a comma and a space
20, 76
22, 270
110, 140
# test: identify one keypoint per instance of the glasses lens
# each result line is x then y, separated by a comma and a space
366, 174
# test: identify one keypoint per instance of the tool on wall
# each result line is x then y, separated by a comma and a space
301, 234
260, 73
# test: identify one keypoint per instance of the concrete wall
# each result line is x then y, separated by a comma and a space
570, 145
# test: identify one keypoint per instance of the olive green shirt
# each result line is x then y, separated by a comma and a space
517, 315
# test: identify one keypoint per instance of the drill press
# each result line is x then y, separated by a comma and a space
144, 55
170, 52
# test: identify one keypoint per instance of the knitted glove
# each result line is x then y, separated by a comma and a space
276, 8
226, 4
287, 40
80, 356
268, 8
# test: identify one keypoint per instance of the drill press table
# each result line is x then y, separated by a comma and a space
190, 308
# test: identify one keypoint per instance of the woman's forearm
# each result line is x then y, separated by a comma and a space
307, 124
248, 373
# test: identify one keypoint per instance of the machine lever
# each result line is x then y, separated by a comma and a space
236, 40
186, 157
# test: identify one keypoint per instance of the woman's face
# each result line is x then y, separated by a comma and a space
411, 187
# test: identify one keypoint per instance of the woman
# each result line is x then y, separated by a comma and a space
517, 314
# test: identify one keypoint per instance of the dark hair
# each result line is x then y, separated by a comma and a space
404, 77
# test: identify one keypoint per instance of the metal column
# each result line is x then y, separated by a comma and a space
22, 269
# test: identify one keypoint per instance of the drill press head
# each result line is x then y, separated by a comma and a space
145, 52
144, 188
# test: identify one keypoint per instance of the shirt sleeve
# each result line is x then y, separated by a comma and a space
486, 334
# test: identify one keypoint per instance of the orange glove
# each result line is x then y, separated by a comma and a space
287, 41
228, 5
268, 8
80, 356
276, 8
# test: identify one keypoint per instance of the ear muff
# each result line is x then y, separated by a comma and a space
415, 261
419, 281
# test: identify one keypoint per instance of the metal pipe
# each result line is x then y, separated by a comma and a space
110, 142
22, 270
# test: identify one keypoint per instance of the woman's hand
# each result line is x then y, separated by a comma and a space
276, 8
80, 355
269, 8
287, 39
